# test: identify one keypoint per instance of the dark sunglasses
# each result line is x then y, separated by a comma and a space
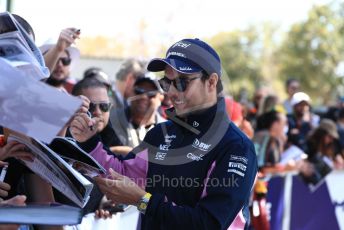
180, 83
140, 91
65, 61
103, 106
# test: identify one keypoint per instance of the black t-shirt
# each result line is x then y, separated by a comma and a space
109, 137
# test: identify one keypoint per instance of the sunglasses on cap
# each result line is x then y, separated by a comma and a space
180, 83
140, 91
103, 106
65, 60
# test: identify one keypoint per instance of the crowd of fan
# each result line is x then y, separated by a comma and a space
134, 103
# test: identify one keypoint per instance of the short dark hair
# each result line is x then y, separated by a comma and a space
90, 72
97, 73
87, 83
266, 120
291, 80
219, 86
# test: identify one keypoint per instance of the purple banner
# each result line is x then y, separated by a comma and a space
293, 206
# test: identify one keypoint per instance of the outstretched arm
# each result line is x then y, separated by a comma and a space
67, 38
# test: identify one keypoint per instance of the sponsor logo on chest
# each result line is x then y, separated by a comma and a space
200, 145
164, 147
194, 157
168, 139
160, 156
195, 124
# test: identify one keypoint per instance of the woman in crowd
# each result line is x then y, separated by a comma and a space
324, 153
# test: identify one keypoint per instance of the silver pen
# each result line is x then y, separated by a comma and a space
3, 173
90, 116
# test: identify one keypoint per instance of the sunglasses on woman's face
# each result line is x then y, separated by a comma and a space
103, 106
140, 91
180, 83
65, 60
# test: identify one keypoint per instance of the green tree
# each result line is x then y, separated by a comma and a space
313, 50
239, 52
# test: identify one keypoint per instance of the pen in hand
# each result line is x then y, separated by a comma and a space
90, 116
3, 173
76, 33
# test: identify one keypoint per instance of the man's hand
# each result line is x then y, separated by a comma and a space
120, 189
306, 168
67, 38
4, 188
103, 210
83, 109
17, 200
83, 127
85, 104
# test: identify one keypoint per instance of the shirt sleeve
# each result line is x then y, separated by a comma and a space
134, 166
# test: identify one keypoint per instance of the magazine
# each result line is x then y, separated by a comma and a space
56, 171
47, 214
17, 47
293, 153
32, 107
320, 166
69, 150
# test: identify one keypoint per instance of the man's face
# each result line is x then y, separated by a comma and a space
100, 99
293, 88
301, 108
280, 124
259, 96
145, 99
62, 68
196, 95
129, 84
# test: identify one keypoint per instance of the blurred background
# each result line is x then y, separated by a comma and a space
261, 43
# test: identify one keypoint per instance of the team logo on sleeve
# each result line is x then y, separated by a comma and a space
237, 165
239, 158
236, 172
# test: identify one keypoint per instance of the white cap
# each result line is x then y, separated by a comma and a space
299, 97
74, 52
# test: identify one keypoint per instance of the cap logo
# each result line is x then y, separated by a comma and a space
175, 54
185, 68
181, 44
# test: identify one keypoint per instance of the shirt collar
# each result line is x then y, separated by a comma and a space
201, 120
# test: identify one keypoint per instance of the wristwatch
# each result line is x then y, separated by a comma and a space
143, 203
